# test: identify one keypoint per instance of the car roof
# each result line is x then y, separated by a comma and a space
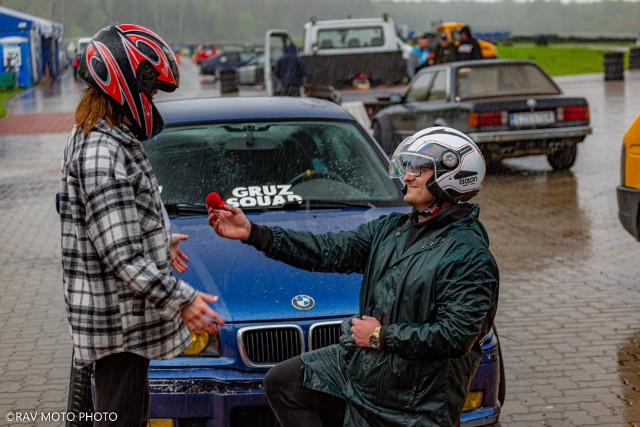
460, 64
200, 110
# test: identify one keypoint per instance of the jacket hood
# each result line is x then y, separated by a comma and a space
291, 50
466, 215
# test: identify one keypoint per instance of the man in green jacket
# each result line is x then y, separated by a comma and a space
429, 295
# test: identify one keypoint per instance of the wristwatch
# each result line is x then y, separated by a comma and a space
374, 338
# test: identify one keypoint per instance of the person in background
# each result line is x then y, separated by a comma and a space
124, 306
291, 71
428, 298
419, 56
444, 51
468, 48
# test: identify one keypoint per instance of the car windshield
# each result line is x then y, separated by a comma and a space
487, 81
271, 165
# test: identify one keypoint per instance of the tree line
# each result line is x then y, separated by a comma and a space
194, 21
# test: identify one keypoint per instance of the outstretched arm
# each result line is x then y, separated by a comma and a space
343, 252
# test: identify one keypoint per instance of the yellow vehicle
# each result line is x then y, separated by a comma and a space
452, 29
629, 189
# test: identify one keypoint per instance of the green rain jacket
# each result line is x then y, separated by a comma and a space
436, 300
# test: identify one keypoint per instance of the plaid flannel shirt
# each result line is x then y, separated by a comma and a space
118, 287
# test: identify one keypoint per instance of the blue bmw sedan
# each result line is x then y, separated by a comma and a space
298, 163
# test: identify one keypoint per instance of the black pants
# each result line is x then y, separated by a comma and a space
292, 403
122, 387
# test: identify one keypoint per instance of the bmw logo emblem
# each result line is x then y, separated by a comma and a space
303, 302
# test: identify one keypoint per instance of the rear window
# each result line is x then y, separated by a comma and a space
268, 164
502, 80
346, 38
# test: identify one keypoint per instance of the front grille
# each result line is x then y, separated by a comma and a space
324, 334
268, 345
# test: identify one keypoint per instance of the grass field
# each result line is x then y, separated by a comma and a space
3, 97
559, 60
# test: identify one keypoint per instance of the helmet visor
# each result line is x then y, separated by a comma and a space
413, 157
409, 163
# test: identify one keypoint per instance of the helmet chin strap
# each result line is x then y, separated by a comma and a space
433, 209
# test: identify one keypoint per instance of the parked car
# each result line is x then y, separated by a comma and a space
629, 188
224, 60
81, 46
298, 163
251, 72
204, 52
510, 108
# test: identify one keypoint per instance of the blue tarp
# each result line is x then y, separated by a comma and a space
31, 42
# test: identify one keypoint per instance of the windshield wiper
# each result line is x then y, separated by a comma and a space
184, 209
321, 204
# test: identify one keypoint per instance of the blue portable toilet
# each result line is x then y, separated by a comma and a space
30, 44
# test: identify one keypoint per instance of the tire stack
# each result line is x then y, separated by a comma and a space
228, 82
634, 58
614, 66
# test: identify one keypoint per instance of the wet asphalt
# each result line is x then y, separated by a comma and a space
569, 314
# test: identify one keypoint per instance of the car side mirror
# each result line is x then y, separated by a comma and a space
395, 98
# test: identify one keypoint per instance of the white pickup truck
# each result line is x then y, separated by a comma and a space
343, 55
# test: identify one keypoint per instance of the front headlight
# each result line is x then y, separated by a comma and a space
157, 422
474, 401
203, 345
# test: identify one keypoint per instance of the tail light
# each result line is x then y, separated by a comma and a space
76, 62
572, 113
490, 118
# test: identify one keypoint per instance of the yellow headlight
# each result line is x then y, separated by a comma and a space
198, 343
474, 401
160, 423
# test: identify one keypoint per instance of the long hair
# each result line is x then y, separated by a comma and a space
93, 106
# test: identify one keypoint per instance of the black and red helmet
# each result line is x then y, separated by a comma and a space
128, 63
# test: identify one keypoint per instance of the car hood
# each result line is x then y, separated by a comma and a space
253, 287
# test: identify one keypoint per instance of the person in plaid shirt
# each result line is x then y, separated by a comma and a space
123, 304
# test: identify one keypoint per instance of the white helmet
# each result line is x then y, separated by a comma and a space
456, 161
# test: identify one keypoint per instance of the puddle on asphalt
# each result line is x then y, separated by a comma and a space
629, 369
533, 218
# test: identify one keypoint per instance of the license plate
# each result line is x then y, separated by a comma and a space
534, 118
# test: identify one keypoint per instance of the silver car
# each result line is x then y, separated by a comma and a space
251, 72
510, 108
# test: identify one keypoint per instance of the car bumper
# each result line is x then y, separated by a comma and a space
227, 398
204, 397
628, 209
576, 132
479, 417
